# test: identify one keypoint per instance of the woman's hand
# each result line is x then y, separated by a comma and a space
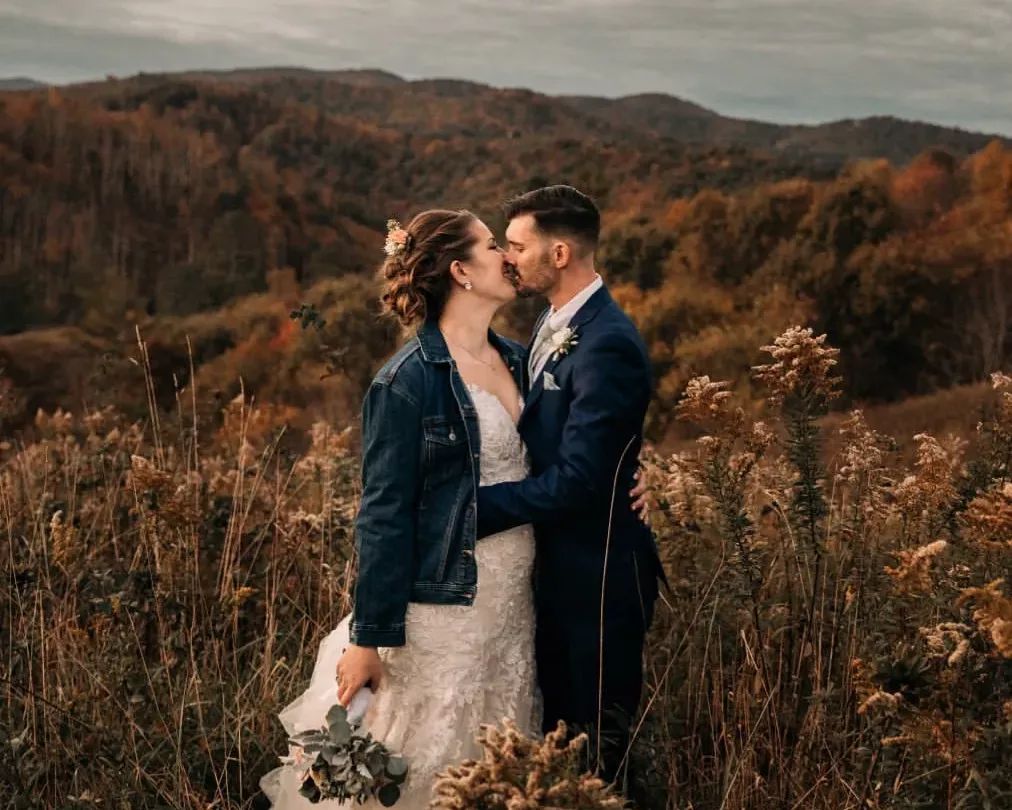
358, 667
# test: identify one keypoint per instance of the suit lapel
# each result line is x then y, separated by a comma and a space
581, 319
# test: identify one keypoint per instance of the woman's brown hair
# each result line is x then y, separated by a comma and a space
417, 280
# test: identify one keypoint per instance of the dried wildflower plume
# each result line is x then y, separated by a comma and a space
726, 464
704, 400
864, 450
1002, 423
925, 498
862, 478
676, 494
993, 614
913, 574
518, 773
803, 366
988, 519
948, 640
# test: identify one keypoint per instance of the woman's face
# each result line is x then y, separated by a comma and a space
486, 267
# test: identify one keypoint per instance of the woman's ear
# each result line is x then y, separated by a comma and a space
458, 273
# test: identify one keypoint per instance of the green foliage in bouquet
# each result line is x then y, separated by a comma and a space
347, 764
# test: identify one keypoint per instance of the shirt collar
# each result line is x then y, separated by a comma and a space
560, 318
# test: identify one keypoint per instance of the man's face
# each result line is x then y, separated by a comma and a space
529, 258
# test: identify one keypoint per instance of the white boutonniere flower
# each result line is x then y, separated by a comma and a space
563, 342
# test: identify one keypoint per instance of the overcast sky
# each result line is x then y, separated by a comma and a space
947, 61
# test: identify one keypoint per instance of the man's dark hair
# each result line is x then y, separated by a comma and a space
559, 211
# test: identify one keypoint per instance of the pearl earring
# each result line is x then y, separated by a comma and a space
467, 285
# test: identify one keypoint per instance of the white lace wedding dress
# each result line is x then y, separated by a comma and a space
462, 666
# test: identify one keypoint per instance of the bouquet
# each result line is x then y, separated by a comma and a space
342, 761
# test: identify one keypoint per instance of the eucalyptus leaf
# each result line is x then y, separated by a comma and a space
397, 769
376, 762
309, 737
388, 795
339, 759
340, 734
365, 772
337, 715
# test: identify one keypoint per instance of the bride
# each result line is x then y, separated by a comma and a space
442, 628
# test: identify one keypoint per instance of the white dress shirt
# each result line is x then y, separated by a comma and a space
558, 319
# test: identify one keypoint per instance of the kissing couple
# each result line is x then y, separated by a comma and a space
503, 570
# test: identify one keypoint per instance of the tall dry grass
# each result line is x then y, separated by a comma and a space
164, 587
839, 632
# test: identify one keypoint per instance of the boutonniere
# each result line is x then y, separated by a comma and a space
563, 342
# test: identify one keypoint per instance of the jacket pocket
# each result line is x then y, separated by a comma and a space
446, 450
444, 432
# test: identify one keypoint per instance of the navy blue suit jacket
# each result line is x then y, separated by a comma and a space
584, 438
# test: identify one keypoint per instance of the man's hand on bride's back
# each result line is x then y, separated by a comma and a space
358, 667
640, 497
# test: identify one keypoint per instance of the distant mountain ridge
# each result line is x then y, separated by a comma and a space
19, 83
668, 116
384, 98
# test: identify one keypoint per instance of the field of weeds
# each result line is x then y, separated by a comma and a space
838, 633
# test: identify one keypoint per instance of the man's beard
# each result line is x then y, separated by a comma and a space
525, 290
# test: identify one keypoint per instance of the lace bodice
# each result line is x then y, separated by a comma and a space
503, 454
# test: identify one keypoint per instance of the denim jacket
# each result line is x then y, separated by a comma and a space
417, 524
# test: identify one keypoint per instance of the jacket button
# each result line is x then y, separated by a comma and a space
468, 552
453, 436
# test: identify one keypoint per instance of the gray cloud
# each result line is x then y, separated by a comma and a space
784, 60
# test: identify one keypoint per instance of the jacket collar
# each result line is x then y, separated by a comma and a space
585, 314
432, 343
434, 349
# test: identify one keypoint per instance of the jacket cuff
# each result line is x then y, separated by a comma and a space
370, 636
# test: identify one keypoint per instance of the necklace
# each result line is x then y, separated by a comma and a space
472, 354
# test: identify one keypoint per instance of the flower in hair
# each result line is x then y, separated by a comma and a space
397, 238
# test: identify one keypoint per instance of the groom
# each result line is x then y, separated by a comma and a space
588, 385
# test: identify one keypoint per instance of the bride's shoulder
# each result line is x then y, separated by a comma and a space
406, 361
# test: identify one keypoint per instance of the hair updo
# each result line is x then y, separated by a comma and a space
417, 281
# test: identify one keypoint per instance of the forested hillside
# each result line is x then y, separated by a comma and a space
205, 206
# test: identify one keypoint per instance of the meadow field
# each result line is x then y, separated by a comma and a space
838, 633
